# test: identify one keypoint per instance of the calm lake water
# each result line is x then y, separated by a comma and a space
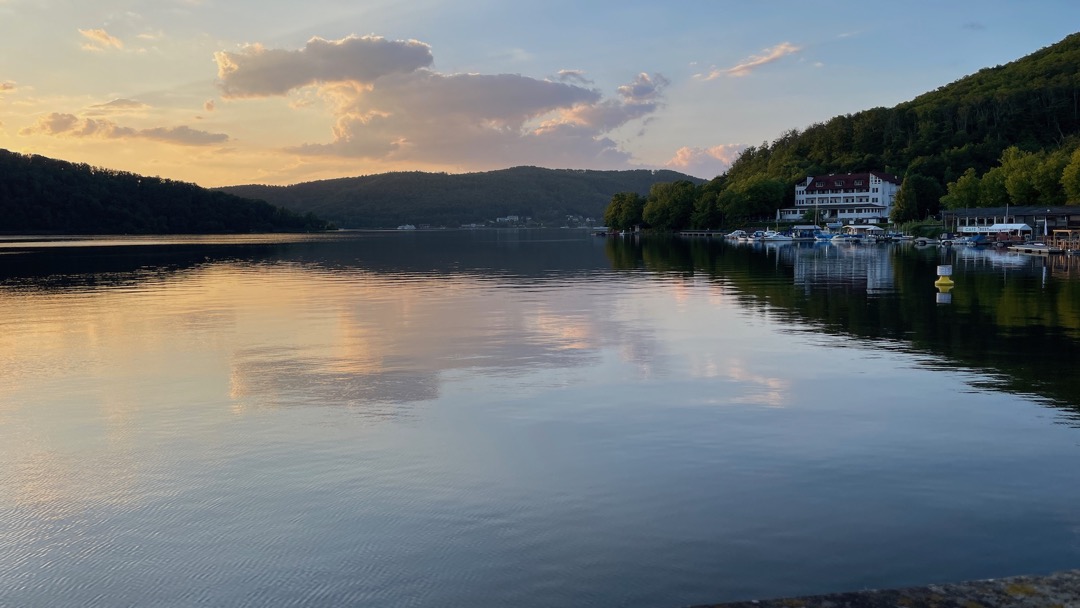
534, 418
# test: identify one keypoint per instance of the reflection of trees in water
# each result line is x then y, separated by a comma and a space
1016, 318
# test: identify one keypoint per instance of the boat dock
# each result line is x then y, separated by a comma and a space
1061, 589
705, 233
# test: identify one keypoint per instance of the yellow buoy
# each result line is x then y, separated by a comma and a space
944, 284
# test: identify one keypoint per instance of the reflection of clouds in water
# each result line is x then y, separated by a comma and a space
763, 390
282, 378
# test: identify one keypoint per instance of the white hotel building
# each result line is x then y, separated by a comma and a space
850, 198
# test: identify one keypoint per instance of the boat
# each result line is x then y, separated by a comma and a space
773, 236
972, 240
756, 235
805, 232
846, 238
736, 234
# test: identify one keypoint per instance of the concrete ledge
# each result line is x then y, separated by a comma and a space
1061, 589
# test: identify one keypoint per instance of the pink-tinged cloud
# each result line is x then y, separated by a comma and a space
7, 86
705, 163
257, 71
209, 106
100, 40
754, 62
389, 105
69, 125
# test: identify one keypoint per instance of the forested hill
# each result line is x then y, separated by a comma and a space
1001, 121
43, 195
441, 199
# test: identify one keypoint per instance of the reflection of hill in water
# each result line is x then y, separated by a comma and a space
1015, 317
524, 254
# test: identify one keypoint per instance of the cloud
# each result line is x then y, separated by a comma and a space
705, 163
68, 125
209, 106
260, 72
754, 62
7, 86
573, 76
117, 106
100, 40
388, 105
183, 135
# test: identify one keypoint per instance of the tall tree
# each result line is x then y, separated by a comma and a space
670, 205
963, 193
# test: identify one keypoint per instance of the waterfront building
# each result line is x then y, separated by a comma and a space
1041, 221
848, 198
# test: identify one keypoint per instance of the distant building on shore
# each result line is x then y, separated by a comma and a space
1041, 220
848, 198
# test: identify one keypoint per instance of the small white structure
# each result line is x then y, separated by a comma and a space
848, 198
1011, 229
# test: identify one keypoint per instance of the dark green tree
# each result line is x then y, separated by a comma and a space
625, 211
670, 205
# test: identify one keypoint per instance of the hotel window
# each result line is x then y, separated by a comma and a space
858, 182
839, 182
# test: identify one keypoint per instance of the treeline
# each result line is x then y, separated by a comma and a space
441, 199
43, 195
1009, 118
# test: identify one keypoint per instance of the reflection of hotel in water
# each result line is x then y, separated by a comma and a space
854, 267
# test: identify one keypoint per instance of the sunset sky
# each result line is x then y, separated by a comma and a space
224, 92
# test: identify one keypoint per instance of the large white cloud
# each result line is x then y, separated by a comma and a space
257, 71
389, 105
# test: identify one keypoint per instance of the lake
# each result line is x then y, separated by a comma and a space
527, 418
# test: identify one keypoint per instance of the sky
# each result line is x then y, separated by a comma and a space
228, 92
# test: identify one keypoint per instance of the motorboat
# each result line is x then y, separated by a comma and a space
774, 236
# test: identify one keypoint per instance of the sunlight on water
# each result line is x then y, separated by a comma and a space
470, 419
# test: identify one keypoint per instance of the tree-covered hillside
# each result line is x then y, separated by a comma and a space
441, 199
1023, 117
44, 195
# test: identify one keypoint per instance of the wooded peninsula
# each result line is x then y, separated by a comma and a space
1005, 135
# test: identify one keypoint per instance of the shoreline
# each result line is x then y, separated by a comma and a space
1060, 589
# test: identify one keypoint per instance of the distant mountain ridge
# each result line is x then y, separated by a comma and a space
45, 195
442, 199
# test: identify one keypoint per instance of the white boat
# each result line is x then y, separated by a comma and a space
846, 238
736, 234
757, 235
774, 236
